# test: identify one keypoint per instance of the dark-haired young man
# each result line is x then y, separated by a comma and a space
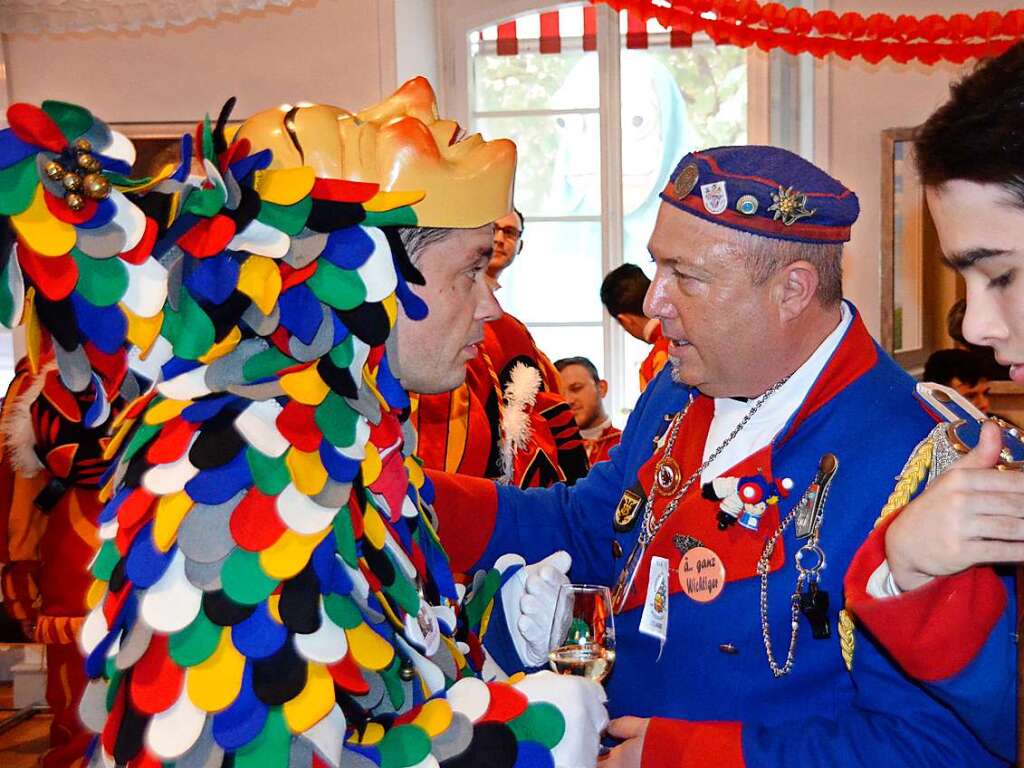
585, 390
925, 583
622, 294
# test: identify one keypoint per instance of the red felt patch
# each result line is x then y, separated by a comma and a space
172, 442
144, 249
348, 677
291, 277
60, 460
33, 126
209, 237
507, 703
111, 368
255, 524
134, 508
156, 680
54, 276
60, 398
115, 601
344, 191
235, 152
298, 425
63, 212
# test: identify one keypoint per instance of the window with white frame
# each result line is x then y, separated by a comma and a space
601, 107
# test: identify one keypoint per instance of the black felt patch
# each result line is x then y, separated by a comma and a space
300, 602
279, 678
223, 611
58, 317
369, 322
338, 379
328, 215
493, 746
405, 265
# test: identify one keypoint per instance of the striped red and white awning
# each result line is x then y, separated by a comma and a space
575, 28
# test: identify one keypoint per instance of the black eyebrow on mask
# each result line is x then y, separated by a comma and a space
961, 260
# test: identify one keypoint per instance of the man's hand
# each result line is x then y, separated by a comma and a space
529, 599
627, 754
971, 515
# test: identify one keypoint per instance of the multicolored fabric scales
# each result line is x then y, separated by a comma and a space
270, 589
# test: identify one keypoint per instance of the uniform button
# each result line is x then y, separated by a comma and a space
728, 648
616, 548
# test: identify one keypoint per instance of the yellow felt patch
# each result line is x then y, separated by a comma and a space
371, 465
142, 331
41, 231
260, 280
373, 527
165, 410
95, 594
170, 511
215, 683
388, 201
307, 471
435, 716
368, 649
289, 554
223, 346
305, 386
285, 186
313, 702
33, 333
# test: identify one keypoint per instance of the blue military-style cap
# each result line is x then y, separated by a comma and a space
765, 191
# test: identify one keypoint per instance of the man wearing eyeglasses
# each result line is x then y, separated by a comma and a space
508, 242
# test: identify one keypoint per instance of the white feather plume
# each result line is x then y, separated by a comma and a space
520, 395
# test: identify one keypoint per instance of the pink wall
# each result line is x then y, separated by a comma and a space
316, 50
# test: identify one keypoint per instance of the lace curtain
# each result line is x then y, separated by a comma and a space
57, 16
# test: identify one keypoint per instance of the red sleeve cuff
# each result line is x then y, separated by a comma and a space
934, 631
678, 743
466, 509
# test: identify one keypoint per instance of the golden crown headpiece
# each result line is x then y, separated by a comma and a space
400, 144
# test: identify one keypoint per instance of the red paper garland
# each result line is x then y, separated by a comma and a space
932, 38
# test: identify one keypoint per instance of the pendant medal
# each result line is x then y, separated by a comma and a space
667, 477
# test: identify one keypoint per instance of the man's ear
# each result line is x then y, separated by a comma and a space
796, 286
602, 388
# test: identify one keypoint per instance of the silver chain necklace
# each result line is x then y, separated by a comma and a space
651, 526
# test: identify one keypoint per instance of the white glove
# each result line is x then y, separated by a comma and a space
581, 702
529, 599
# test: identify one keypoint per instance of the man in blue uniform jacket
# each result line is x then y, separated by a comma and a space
748, 475
924, 583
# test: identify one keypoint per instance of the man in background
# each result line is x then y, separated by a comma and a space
962, 369
622, 294
585, 391
508, 242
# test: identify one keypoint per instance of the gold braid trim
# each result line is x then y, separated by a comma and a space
914, 473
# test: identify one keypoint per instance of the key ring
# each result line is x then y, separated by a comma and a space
817, 567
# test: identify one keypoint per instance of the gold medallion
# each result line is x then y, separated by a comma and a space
685, 181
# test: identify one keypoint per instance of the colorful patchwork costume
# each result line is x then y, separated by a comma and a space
270, 589
752, 670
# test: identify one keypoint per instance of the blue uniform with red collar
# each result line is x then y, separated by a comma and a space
728, 709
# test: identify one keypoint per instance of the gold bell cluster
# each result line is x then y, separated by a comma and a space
81, 177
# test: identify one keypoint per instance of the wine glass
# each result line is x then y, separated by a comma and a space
582, 640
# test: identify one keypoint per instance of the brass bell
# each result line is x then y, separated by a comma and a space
88, 163
96, 186
83, 145
75, 201
72, 182
406, 671
54, 171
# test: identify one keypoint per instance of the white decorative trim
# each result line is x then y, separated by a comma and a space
520, 395
16, 427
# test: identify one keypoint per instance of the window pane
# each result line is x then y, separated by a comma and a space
674, 100
557, 276
559, 168
535, 81
571, 341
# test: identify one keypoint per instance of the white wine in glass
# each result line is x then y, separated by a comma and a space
582, 638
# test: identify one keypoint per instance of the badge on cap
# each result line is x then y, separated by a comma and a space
701, 574
747, 205
685, 181
715, 198
790, 206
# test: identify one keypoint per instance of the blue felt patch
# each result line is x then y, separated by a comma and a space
255, 162
392, 390
213, 279
182, 171
207, 408
12, 149
105, 210
181, 225
348, 248
243, 721
177, 366
341, 468
533, 755
99, 409
145, 563
300, 312
113, 164
341, 331
109, 512
215, 486
259, 636
105, 327
413, 306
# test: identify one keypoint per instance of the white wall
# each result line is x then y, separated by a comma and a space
335, 51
